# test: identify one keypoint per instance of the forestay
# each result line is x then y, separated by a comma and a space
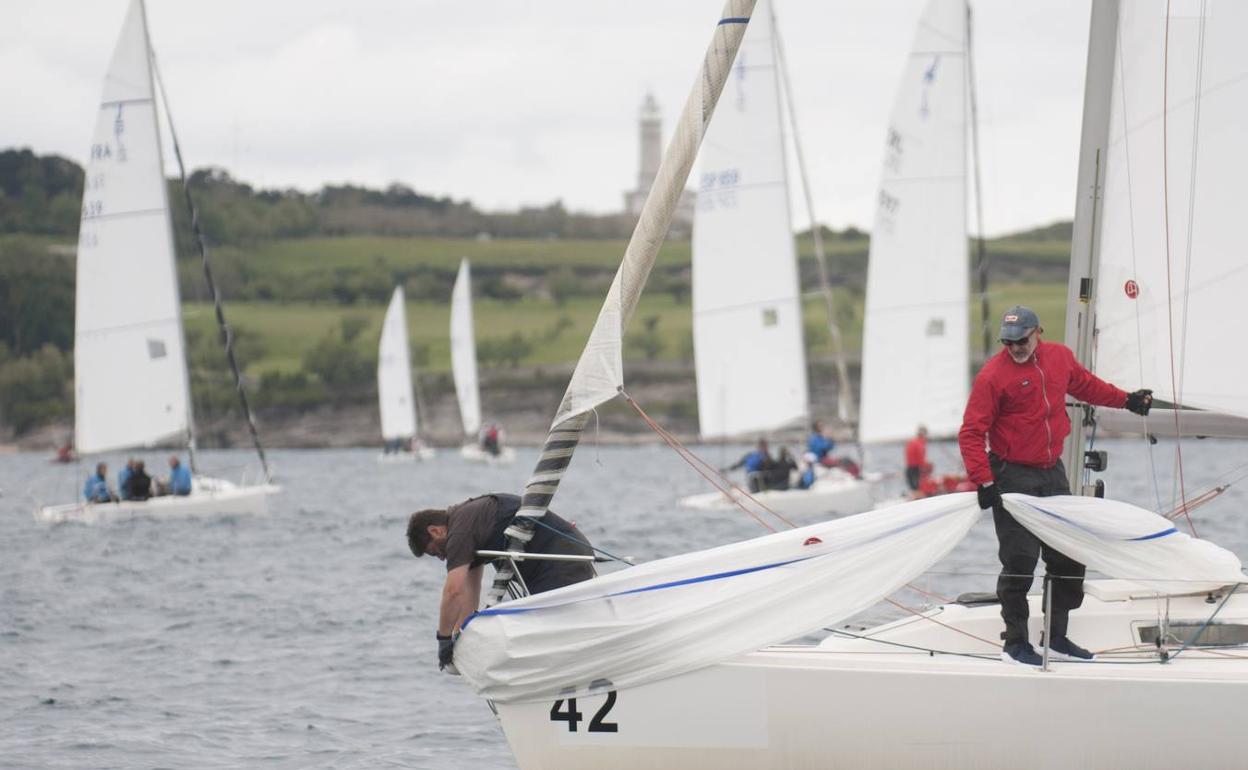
464, 351
131, 385
915, 357
675, 615
747, 314
1162, 314
394, 373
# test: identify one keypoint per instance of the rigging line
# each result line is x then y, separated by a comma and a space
710, 474
1165, 200
929, 594
1208, 621
904, 646
980, 245
931, 618
227, 334
1130, 201
579, 541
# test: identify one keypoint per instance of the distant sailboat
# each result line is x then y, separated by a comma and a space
132, 387
394, 387
747, 308
464, 369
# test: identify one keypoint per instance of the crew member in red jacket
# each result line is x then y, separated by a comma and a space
917, 466
1011, 441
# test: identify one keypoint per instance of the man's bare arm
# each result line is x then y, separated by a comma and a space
461, 595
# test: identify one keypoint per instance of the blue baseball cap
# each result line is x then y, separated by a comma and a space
1017, 321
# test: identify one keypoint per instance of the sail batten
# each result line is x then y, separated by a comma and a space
131, 384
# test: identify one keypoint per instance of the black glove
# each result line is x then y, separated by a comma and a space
1140, 401
989, 496
446, 651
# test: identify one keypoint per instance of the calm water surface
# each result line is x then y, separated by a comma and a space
304, 638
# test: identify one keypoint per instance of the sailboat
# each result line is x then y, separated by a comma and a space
464, 370
132, 388
747, 307
394, 388
676, 663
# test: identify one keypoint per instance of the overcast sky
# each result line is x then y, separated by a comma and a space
514, 102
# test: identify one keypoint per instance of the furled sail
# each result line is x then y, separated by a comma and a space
1170, 242
131, 387
394, 373
747, 311
679, 614
464, 351
916, 349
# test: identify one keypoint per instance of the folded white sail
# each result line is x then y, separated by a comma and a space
915, 350
131, 386
1176, 147
464, 351
680, 614
747, 311
394, 373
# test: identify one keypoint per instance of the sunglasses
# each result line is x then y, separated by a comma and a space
1018, 343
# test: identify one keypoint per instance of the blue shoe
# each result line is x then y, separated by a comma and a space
1022, 653
1064, 649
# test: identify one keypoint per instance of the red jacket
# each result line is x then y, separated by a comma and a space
1021, 408
916, 452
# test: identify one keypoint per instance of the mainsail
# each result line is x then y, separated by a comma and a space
464, 351
1168, 233
916, 349
131, 385
747, 311
394, 373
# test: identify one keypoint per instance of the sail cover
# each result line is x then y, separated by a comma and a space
394, 373
464, 351
129, 360
675, 615
747, 312
1176, 147
916, 348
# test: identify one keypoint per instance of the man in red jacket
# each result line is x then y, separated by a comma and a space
1011, 441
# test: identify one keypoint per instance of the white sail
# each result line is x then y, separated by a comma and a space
747, 312
675, 615
131, 385
394, 373
1176, 145
464, 351
915, 349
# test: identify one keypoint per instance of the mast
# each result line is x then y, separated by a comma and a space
164, 197
227, 334
844, 402
1084, 254
981, 252
598, 376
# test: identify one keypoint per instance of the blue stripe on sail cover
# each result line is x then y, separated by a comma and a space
1094, 533
707, 578
735, 20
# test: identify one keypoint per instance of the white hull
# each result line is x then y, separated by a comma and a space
209, 497
835, 494
421, 454
857, 704
475, 454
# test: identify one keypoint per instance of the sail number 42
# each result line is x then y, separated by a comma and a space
571, 715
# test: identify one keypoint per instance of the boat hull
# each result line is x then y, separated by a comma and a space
420, 454
210, 497
475, 454
828, 496
857, 705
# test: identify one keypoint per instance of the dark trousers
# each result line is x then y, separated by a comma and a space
1019, 550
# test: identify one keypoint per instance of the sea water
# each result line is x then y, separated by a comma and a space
305, 637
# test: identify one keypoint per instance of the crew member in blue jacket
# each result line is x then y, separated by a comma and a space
820, 445
179, 477
756, 463
123, 477
96, 489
